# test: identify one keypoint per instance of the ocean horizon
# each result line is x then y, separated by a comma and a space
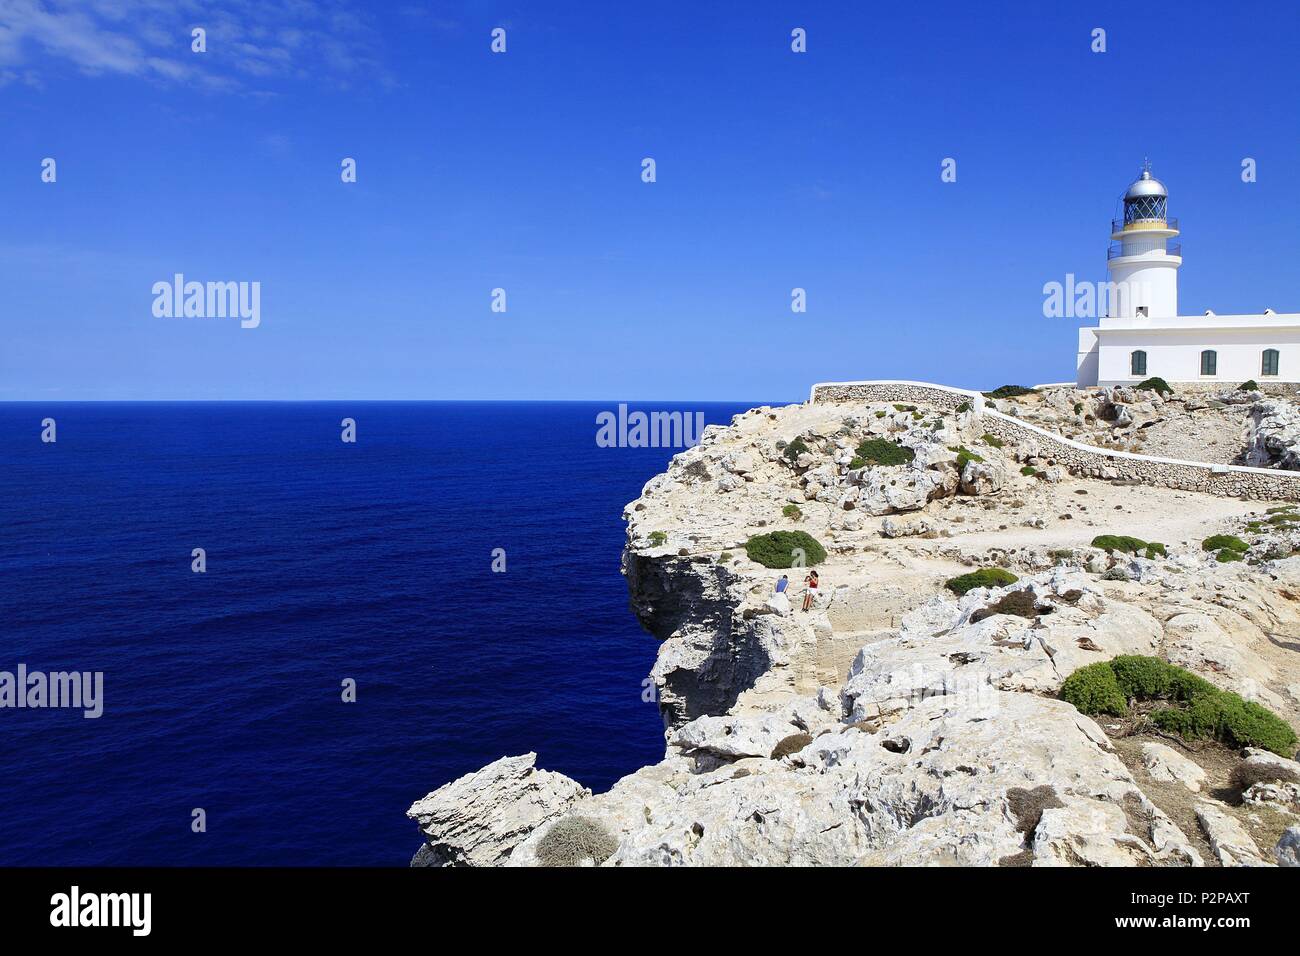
325, 562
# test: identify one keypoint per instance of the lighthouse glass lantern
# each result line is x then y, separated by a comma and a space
1146, 203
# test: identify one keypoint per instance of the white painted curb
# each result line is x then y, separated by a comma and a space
978, 404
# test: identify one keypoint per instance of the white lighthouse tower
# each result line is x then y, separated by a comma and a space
1143, 266
1143, 336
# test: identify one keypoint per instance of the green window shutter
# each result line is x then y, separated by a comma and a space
1209, 362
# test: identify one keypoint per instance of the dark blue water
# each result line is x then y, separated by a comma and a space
326, 561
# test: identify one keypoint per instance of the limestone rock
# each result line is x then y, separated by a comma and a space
941, 649
982, 478
889, 490
740, 463
778, 604
478, 819
899, 528
1274, 436
1168, 765
1228, 838
1287, 851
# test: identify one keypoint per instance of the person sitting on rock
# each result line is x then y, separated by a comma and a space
811, 591
782, 584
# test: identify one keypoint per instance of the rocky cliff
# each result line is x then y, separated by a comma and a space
898, 722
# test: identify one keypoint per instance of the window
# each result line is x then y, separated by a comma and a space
1269, 365
1209, 362
1138, 363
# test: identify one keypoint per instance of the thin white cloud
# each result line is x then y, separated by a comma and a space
250, 43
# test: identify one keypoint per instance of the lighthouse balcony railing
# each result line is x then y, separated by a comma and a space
1119, 225
1116, 249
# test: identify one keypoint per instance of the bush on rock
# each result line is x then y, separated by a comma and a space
785, 549
793, 450
1129, 545
1155, 384
1094, 690
574, 840
881, 451
983, 578
1197, 709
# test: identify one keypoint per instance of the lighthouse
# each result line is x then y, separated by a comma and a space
1143, 266
1142, 335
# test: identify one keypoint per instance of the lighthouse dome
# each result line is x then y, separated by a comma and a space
1146, 202
1146, 185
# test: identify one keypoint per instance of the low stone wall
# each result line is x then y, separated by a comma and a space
1234, 481
939, 396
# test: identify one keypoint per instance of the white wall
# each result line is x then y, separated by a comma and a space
1175, 356
1086, 365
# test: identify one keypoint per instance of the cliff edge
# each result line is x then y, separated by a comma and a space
900, 720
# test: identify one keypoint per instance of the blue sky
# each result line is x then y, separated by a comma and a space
523, 171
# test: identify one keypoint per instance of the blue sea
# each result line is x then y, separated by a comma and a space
326, 561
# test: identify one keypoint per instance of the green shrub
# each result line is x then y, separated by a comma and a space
991, 440
1199, 720
573, 840
983, 578
881, 414
779, 549
1009, 391
1094, 690
1029, 471
1078, 407
1230, 542
963, 407
1139, 676
794, 450
1223, 715
1251, 386
658, 539
1119, 542
1156, 550
964, 455
1280, 509
1186, 686
857, 462
1227, 556
904, 408
1250, 724
1198, 710
792, 511
882, 451
1155, 384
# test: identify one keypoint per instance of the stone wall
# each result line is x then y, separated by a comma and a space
1227, 480
938, 396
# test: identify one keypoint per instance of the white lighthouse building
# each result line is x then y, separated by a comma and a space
1143, 335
